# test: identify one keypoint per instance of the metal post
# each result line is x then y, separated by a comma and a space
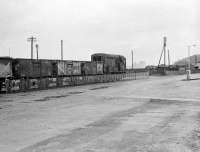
189, 57
189, 61
188, 71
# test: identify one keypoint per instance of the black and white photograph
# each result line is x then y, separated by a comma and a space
99, 76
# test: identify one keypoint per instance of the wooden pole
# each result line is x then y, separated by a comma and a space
61, 49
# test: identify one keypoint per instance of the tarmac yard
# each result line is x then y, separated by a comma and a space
159, 114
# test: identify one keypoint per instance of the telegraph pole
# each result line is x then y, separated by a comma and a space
31, 39
61, 49
164, 48
132, 58
37, 46
168, 58
163, 53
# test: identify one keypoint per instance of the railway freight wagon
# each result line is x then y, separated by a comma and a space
92, 68
64, 68
31, 68
5, 70
76, 67
5, 67
111, 63
19, 74
68, 68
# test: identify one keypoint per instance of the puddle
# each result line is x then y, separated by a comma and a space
26, 102
191, 79
76, 92
5, 107
24, 95
103, 87
156, 100
165, 101
51, 97
4, 100
59, 96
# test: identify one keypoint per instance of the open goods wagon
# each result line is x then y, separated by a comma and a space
73, 68
5, 70
68, 68
27, 68
64, 68
5, 67
92, 68
19, 74
111, 63
31, 68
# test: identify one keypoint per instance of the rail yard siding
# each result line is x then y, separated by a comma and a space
20, 85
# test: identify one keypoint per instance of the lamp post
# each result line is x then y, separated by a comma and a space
189, 61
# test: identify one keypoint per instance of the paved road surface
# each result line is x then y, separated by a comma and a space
159, 114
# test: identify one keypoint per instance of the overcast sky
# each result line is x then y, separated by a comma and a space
90, 26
